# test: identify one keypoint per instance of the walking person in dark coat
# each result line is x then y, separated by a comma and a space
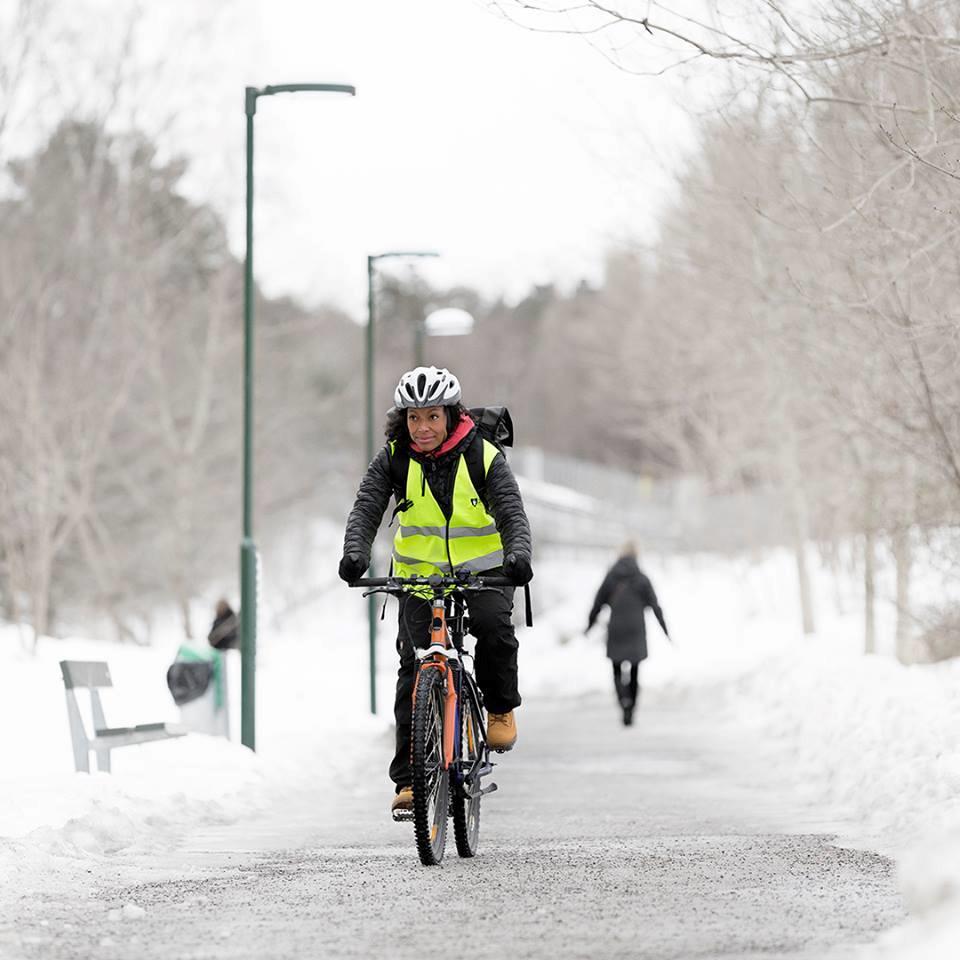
628, 592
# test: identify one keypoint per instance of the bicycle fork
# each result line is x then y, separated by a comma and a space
439, 656
450, 724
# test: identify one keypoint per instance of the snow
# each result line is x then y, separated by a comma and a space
57, 827
541, 492
863, 735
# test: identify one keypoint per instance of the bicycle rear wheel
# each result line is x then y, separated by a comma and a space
431, 783
465, 804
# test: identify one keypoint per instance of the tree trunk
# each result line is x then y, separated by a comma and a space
39, 607
869, 592
797, 498
187, 619
903, 556
806, 590
41, 567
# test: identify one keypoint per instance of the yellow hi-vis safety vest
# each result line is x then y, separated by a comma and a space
427, 542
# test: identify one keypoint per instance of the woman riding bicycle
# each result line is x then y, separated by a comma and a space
447, 522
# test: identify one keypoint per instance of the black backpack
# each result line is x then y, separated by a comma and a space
493, 423
188, 680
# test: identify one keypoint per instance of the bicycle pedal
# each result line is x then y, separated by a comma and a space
402, 816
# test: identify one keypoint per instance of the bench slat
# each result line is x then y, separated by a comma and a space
119, 731
126, 738
170, 729
85, 673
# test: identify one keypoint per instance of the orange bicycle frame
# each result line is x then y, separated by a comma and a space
439, 637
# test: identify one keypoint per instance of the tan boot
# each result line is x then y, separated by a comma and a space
501, 731
402, 806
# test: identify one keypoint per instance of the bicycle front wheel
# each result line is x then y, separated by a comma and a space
431, 783
465, 804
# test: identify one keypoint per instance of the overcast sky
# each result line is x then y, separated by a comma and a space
520, 157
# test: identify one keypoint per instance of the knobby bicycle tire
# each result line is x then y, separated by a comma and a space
431, 783
466, 811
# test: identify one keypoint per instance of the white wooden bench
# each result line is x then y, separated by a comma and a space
94, 675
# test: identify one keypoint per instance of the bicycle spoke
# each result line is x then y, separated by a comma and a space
430, 779
466, 803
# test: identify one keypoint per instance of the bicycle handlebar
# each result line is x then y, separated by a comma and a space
438, 584
436, 581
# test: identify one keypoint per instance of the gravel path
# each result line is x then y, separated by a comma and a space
665, 840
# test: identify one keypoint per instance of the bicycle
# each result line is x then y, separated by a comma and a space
450, 756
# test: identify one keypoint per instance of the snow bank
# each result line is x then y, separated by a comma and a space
880, 740
541, 492
865, 735
58, 826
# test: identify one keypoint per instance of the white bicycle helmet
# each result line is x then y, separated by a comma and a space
427, 387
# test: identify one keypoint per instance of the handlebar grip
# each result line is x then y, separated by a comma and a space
371, 582
496, 581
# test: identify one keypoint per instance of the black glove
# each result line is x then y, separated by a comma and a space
517, 568
352, 567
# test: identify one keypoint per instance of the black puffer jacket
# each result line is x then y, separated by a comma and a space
224, 632
501, 497
628, 592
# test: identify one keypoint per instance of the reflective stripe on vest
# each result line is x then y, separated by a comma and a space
427, 543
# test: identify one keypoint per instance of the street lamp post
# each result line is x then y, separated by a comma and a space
418, 338
248, 548
371, 319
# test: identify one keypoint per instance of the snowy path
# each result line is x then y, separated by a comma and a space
659, 841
